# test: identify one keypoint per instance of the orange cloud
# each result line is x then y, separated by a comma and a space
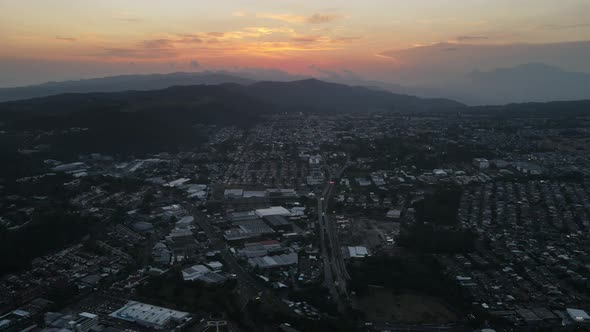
320, 18
254, 41
190, 39
313, 19
305, 39
68, 39
136, 53
344, 40
157, 43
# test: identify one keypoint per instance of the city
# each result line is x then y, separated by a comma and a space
295, 166
293, 222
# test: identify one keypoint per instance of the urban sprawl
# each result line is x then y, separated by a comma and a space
376, 221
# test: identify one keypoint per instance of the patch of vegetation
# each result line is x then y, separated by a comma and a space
170, 290
428, 238
48, 231
440, 207
318, 297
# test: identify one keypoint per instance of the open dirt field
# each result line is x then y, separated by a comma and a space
383, 305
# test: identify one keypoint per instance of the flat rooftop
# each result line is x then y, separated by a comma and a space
147, 314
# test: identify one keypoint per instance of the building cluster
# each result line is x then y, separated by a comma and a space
532, 268
243, 206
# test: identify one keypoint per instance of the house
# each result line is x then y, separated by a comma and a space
393, 214
481, 163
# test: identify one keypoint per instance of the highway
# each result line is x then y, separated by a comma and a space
335, 274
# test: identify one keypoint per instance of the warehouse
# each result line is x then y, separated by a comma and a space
271, 211
269, 262
358, 252
151, 315
278, 223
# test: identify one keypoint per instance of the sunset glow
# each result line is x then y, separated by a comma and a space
367, 38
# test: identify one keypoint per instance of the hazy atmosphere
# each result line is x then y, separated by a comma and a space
294, 165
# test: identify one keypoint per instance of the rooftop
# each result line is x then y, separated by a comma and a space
147, 314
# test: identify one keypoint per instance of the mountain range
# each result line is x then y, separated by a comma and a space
157, 120
524, 83
121, 83
533, 82
304, 95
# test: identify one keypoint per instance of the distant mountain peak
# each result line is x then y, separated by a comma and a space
312, 81
525, 68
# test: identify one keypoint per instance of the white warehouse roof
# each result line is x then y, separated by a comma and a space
149, 315
194, 272
358, 252
273, 211
578, 315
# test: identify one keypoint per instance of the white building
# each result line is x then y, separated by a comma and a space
202, 273
481, 163
194, 272
215, 266
578, 316
177, 182
439, 172
85, 322
77, 166
273, 211
150, 315
394, 214
358, 252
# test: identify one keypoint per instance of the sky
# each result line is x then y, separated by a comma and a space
408, 42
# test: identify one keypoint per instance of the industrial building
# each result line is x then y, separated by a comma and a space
194, 272
85, 322
203, 273
272, 211
268, 262
278, 223
150, 315
358, 252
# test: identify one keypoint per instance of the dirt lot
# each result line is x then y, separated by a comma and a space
383, 305
368, 232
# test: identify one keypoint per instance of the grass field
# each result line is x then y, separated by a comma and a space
383, 305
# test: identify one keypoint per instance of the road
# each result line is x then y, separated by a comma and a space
335, 274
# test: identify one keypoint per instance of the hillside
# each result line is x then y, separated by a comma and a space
131, 122
318, 95
554, 109
120, 83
